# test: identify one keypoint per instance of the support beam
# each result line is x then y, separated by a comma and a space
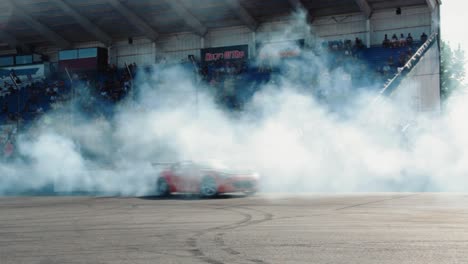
299, 5
368, 33
189, 19
432, 4
134, 19
13, 43
10, 40
365, 7
85, 22
243, 14
253, 54
38, 26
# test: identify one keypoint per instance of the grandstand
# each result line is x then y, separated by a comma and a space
46, 44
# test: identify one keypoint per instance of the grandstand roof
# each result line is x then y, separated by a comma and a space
32, 23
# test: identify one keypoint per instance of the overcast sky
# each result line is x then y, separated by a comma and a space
454, 17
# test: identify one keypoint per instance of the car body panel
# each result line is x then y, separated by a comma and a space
187, 178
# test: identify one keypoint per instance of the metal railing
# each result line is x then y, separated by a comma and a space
402, 72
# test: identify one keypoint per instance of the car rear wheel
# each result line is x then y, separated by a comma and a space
208, 187
162, 188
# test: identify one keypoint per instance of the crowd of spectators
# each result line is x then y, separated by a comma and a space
405, 47
115, 83
24, 99
352, 56
348, 47
221, 76
7, 142
402, 41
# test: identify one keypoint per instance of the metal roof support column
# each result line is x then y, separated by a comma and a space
189, 19
368, 32
243, 14
300, 5
432, 4
134, 19
85, 23
366, 9
10, 40
38, 26
254, 45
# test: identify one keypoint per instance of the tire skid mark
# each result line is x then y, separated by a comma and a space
219, 241
193, 241
257, 261
375, 202
248, 221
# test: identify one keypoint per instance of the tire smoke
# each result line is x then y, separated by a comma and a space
297, 142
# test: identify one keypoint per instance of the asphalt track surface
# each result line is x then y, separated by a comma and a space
359, 228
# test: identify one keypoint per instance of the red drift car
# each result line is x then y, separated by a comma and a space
208, 181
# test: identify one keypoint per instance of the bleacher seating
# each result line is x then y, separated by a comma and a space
246, 77
378, 56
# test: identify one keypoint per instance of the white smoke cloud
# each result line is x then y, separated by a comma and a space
294, 141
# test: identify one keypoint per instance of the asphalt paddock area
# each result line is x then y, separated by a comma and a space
364, 228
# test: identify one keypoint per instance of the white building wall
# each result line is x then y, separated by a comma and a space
91, 44
228, 37
280, 31
177, 47
340, 27
140, 52
414, 20
421, 87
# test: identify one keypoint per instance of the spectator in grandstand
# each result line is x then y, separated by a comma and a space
5, 108
214, 82
126, 85
395, 42
39, 111
132, 68
401, 59
423, 37
348, 53
402, 40
409, 40
11, 89
391, 62
359, 44
340, 44
386, 42
348, 44
30, 79
8, 150
16, 79
410, 52
53, 93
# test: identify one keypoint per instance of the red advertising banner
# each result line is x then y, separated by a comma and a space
240, 52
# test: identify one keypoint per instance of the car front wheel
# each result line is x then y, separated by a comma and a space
162, 188
208, 187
